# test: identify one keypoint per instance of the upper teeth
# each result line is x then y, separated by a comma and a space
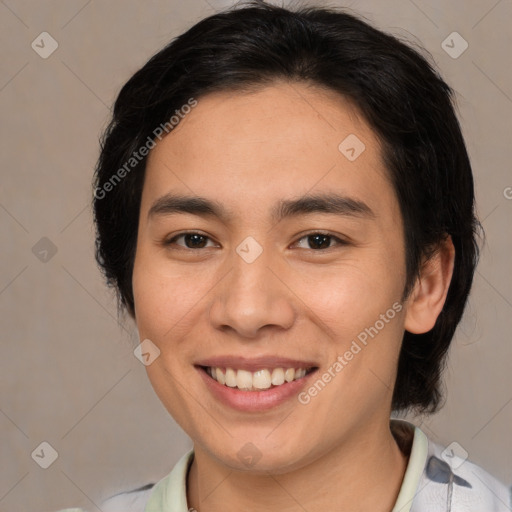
249, 381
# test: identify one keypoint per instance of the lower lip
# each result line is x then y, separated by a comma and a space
254, 401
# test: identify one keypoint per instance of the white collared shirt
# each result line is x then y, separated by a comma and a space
435, 480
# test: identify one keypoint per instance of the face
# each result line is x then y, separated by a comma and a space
294, 301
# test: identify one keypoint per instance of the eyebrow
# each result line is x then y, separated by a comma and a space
320, 203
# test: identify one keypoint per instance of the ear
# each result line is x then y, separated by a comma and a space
428, 296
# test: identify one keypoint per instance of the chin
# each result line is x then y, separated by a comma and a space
260, 455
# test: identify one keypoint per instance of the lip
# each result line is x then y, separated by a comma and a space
254, 364
254, 401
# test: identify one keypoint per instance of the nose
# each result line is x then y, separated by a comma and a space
252, 297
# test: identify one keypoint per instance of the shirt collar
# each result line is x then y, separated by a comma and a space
415, 466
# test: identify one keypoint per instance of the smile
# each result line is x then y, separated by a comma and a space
255, 384
259, 380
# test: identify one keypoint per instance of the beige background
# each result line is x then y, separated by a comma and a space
68, 374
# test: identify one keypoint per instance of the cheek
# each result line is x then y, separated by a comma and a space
155, 295
162, 302
352, 294
167, 297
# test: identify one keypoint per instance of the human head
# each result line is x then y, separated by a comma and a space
402, 98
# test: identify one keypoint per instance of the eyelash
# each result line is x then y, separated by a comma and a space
340, 242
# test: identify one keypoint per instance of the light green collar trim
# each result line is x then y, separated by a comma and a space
170, 493
415, 467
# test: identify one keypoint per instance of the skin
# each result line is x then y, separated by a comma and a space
248, 151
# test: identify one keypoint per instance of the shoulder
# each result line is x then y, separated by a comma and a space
451, 478
72, 510
129, 501
170, 489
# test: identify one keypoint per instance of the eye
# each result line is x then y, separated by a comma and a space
318, 241
192, 240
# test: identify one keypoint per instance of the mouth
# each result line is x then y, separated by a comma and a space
256, 384
259, 380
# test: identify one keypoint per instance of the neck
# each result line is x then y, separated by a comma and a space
362, 473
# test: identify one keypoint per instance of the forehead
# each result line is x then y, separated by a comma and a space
283, 140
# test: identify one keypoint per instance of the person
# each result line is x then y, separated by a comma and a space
284, 204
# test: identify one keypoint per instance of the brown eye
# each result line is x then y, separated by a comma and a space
191, 240
319, 241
